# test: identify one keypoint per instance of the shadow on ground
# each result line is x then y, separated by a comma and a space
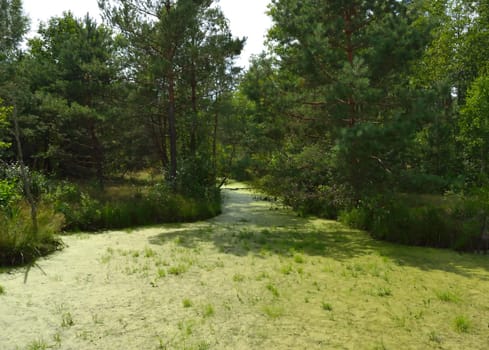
252, 226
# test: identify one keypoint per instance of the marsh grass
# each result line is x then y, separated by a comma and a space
67, 320
19, 244
178, 269
2, 290
122, 205
273, 290
238, 277
384, 292
448, 296
37, 345
462, 324
187, 303
208, 310
327, 306
149, 253
273, 311
299, 258
186, 327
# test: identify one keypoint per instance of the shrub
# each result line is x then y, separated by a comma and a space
19, 244
358, 218
39, 184
393, 219
157, 205
8, 194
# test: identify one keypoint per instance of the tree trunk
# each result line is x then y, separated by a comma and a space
26, 181
214, 142
98, 155
193, 132
172, 125
350, 53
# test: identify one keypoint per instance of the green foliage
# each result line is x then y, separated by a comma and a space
18, 242
416, 182
196, 178
157, 205
326, 306
72, 69
13, 26
37, 345
392, 220
4, 113
462, 324
474, 128
8, 194
273, 290
208, 310
448, 296
457, 226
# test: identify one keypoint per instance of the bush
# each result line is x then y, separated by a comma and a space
358, 218
39, 184
158, 204
392, 219
8, 194
19, 244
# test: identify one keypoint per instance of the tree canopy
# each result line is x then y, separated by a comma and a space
350, 100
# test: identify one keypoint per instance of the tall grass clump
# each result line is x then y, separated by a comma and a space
457, 225
462, 324
20, 242
154, 204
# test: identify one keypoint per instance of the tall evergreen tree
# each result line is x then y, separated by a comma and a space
73, 69
183, 53
350, 63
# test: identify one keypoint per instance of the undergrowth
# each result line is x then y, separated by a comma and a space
19, 244
142, 206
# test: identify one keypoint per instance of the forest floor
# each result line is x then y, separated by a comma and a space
256, 277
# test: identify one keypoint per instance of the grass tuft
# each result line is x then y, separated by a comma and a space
448, 297
187, 303
287, 269
435, 337
273, 290
238, 278
273, 311
462, 324
19, 245
327, 306
177, 270
299, 258
37, 345
149, 253
384, 292
67, 320
208, 310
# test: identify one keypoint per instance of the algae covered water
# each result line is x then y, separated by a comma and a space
256, 277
